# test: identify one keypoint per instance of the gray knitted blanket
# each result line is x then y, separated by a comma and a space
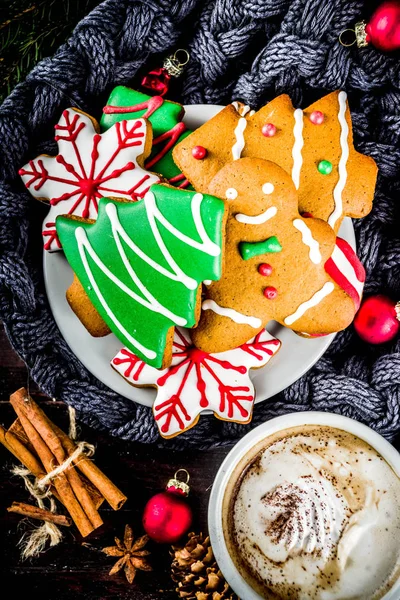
249, 50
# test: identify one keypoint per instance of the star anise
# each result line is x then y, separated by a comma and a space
132, 556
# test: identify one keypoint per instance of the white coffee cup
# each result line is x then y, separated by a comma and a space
255, 437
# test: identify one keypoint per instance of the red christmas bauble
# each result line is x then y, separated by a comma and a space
157, 81
377, 320
167, 516
383, 30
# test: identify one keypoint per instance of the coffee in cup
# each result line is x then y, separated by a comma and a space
313, 512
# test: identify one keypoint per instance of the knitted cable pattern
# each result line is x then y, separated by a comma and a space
249, 50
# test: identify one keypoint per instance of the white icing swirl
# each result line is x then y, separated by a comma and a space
297, 147
342, 168
232, 314
315, 299
238, 146
308, 240
257, 219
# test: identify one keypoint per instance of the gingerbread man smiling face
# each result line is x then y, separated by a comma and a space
275, 262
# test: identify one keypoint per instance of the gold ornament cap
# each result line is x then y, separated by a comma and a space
173, 64
178, 486
397, 311
360, 36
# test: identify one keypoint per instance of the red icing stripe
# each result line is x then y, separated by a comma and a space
179, 178
352, 258
312, 335
152, 104
171, 136
342, 281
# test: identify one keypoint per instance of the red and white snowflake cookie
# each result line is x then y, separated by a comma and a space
197, 381
89, 165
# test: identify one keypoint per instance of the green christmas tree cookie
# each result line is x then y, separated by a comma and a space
168, 129
141, 263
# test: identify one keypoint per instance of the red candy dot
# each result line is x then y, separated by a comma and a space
198, 152
265, 269
317, 117
269, 130
270, 293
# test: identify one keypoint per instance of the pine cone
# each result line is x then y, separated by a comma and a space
196, 572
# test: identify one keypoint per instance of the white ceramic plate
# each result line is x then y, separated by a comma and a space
296, 356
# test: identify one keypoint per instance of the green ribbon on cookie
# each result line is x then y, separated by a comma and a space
166, 120
251, 249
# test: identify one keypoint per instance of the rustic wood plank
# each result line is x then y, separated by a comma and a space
13, 371
140, 470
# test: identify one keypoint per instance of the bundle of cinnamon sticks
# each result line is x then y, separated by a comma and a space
43, 448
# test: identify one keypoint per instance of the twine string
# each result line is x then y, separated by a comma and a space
81, 448
33, 543
73, 434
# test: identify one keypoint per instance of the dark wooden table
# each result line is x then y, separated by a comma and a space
71, 570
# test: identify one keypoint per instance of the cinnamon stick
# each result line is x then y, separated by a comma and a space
16, 447
60, 482
17, 429
33, 512
19, 432
45, 429
106, 487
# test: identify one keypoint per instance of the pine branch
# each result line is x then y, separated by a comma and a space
30, 31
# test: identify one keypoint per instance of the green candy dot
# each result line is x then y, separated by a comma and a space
325, 167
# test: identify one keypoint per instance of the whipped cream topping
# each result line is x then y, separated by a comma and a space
316, 516
306, 516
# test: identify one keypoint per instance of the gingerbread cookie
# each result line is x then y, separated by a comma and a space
88, 166
79, 301
141, 263
197, 381
166, 119
275, 265
314, 146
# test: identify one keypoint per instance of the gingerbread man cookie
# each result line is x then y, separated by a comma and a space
275, 263
141, 264
314, 146
197, 381
88, 166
